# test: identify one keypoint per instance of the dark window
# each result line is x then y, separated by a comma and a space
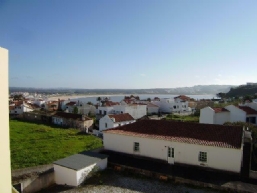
105, 125
202, 156
136, 146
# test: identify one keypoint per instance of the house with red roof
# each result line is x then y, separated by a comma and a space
209, 146
229, 113
115, 120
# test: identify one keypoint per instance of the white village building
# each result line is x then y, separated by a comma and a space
201, 145
173, 105
115, 120
229, 113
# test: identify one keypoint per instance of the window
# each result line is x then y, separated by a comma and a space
136, 146
170, 152
121, 112
202, 156
119, 124
105, 125
174, 107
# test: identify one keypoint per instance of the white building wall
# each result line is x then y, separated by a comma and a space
236, 114
217, 158
65, 175
136, 111
5, 162
207, 115
109, 110
167, 105
152, 110
221, 118
110, 124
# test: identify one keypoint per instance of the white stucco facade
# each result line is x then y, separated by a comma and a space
169, 105
135, 110
234, 114
106, 123
5, 161
67, 176
217, 157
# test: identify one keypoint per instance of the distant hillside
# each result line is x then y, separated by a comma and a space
199, 89
242, 90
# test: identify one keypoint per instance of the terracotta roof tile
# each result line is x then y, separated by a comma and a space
122, 117
248, 110
193, 133
220, 110
110, 103
182, 97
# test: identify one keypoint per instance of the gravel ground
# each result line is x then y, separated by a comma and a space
110, 181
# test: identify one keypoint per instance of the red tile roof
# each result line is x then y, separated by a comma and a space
248, 110
182, 97
110, 103
151, 105
11, 108
220, 110
71, 104
122, 117
70, 116
192, 133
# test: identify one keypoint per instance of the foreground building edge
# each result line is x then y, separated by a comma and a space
5, 161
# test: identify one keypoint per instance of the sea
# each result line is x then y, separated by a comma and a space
118, 98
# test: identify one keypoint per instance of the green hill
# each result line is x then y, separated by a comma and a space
242, 90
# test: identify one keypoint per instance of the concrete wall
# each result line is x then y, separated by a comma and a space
136, 111
72, 177
34, 179
217, 158
207, 115
5, 162
63, 175
151, 110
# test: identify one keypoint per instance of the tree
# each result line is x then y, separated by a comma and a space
75, 110
89, 103
148, 99
98, 99
221, 95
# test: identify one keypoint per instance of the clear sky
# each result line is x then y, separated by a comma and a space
129, 43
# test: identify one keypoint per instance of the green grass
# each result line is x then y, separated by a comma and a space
185, 118
37, 144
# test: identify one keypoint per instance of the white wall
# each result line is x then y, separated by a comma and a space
65, 175
71, 177
109, 110
151, 110
207, 115
167, 105
218, 158
221, 118
236, 114
110, 123
136, 111
5, 162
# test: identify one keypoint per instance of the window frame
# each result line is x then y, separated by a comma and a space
202, 157
136, 147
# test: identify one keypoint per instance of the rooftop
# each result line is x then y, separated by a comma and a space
80, 160
193, 133
220, 110
122, 117
248, 110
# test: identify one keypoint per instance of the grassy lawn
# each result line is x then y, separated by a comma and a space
186, 118
38, 144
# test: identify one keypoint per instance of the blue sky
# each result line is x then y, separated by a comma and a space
129, 43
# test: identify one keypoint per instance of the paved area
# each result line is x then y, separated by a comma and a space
110, 181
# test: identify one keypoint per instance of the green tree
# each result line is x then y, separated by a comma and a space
98, 99
75, 110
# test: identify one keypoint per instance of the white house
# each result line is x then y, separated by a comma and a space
20, 107
75, 169
135, 110
152, 109
107, 108
112, 121
203, 145
229, 113
169, 105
